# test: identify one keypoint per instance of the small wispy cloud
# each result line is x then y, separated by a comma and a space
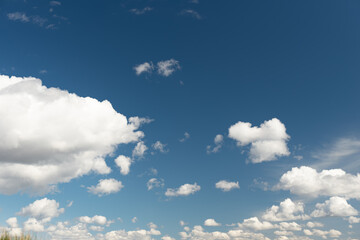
186, 137
192, 13
22, 17
55, 3
194, 1
146, 67
137, 11
18, 16
164, 68
168, 67
43, 71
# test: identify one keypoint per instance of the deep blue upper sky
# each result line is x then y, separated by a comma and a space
249, 61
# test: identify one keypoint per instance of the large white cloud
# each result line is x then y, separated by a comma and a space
306, 181
267, 142
183, 190
286, 211
50, 136
43, 209
335, 207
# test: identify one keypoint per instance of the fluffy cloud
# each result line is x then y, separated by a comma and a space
43, 209
183, 190
139, 150
218, 140
155, 183
32, 224
335, 207
211, 223
12, 222
50, 136
106, 187
286, 211
227, 186
255, 224
324, 234
124, 164
306, 181
314, 224
146, 67
267, 142
168, 67
132, 235
100, 220
289, 226
62, 231
198, 233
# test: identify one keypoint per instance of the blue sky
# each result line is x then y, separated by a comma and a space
180, 119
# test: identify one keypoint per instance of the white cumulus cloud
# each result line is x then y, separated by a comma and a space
211, 223
139, 150
97, 219
183, 190
43, 209
227, 186
106, 187
124, 164
335, 207
51, 136
306, 181
286, 211
267, 142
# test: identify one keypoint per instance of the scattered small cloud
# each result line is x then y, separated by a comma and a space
18, 16
155, 183
211, 223
183, 190
161, 147
139, 150
55, 3
124, 164
226, 186
146, 67
137, 11
168, 67
106, 187
43, 71
186, 137
192, 13
218, 141
134, 220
